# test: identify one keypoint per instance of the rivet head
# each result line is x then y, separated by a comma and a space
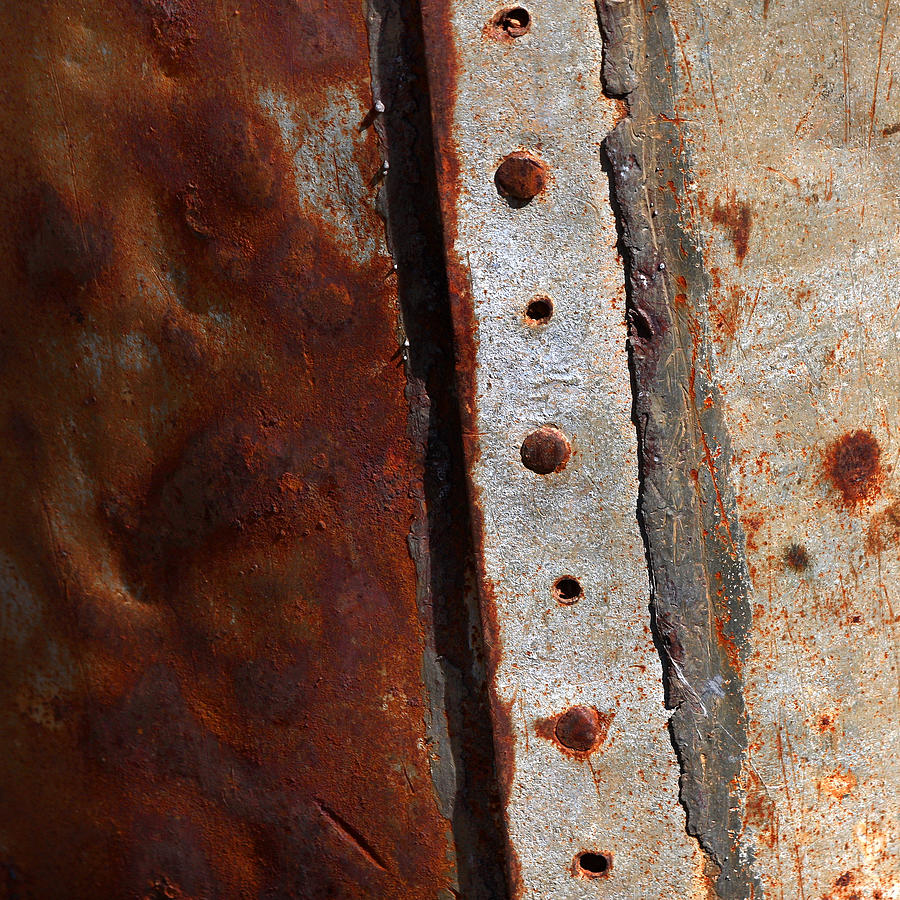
579, 728
545, 450
520, 177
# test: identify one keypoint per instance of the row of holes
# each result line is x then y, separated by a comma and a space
567, 590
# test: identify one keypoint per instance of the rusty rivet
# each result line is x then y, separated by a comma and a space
579, 728
520, 178
545, 450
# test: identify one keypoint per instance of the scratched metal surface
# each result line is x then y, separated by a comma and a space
785, 124
792, 112
211, 656
540, 93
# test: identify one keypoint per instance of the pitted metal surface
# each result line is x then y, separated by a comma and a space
540, 94
212, 650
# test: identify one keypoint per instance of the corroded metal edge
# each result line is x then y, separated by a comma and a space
700, 608
458, 721
442, 79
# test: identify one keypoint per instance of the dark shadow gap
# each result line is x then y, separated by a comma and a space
411, 206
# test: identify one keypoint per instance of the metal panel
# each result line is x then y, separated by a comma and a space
494, 95
792, 112
212, 656
753, 171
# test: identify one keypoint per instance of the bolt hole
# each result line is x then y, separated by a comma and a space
538, 312
593, 865
568, 590
513, 22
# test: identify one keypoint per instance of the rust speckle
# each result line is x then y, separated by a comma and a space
884, 530
737, 219
759, 810
825, 720
852, 463
726, 312
796, 557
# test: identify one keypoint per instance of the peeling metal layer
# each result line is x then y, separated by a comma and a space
211, 657
695, 544
612, 789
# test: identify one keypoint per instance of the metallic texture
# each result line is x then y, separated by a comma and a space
753, 176
541, 94
686, 504
212, 649
789, 112
358, 364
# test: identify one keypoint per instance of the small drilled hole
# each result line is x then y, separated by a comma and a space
568, 590
593, 865
538, 312
515, 22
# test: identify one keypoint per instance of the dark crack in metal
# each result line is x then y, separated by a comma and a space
699, 583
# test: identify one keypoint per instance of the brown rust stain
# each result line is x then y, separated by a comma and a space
796, 557
210, 614
884, 530
853, 465
736, 217
443, 74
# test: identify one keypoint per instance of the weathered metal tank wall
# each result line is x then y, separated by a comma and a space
218, 482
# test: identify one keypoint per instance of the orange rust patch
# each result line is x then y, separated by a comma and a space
853, 465
759, 810
736, 218
726, 313
546, 728
838, 784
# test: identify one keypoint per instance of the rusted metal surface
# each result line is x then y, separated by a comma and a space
532, 387
212, 652
248, 248
789, 111
754, 172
